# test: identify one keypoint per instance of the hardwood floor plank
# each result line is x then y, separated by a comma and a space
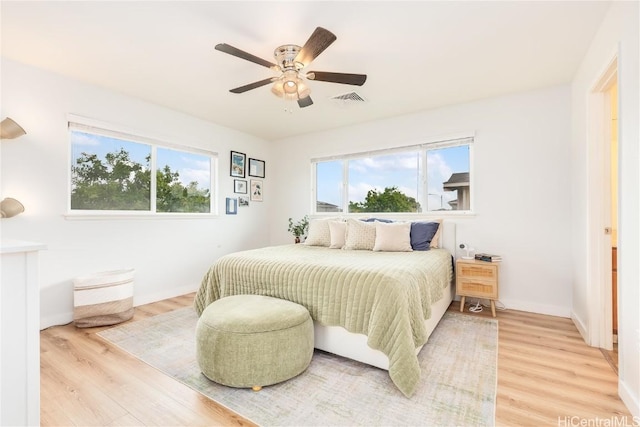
545, 372
149, 396
126, 421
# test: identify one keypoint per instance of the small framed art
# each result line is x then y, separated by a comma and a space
243, 201
257, 190
231, 206
256, 168
238, 164
240, 186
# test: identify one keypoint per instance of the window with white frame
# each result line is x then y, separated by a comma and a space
111, 173
422, 178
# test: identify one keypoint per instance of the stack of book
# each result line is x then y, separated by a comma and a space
488, 257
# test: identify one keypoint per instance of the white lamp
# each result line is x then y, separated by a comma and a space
10, 207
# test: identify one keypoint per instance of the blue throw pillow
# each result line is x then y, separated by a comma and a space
377, 219
421, 235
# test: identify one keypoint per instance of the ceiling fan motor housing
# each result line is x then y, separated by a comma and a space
285, 57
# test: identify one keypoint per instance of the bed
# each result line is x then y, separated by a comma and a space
375, 307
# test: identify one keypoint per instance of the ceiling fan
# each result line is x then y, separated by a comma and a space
291, 59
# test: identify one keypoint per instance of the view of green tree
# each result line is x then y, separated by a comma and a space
118, 183
173, 196
390, 200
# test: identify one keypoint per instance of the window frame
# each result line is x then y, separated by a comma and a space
464, 139
96, 127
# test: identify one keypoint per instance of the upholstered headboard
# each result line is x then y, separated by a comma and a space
449, 237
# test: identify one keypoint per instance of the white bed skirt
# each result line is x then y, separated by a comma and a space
337, 340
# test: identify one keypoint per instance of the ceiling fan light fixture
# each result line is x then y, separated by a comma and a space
303, 90
290, 87
280, 90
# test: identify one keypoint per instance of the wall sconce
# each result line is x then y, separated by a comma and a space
10, 129
10, 207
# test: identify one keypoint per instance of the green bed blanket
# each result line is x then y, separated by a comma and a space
384, 295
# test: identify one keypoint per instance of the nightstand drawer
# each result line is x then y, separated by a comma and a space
485, 272
477, 288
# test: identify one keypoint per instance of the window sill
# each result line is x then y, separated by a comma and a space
399, 215
111, 216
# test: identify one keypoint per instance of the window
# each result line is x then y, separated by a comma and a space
111, 172
329, 186
423, 178
448, 178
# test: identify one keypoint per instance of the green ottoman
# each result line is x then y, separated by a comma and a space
253, 341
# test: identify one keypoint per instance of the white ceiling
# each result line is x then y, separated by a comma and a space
417, 55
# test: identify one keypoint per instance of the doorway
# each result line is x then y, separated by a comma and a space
613, 97
611, 355
602, 206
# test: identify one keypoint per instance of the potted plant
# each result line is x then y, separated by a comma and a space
299, 228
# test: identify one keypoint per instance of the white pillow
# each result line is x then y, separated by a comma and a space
318, 232
338, 232
360, 235
393, 237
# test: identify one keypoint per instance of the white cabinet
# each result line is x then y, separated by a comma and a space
19, 333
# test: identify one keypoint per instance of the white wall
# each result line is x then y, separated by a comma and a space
170, 256
521, 181
618, 34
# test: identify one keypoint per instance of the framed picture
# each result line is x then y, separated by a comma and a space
256, 168
257, 190
231, 206
238, 163
243, 201
240, 186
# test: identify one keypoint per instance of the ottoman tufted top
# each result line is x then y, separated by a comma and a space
253, 314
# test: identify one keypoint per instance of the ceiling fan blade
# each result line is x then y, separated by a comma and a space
317, 43
253, 85
223, 47
305, 102
345, 78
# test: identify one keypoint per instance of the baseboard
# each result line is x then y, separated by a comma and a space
582, 328
551, 310
632, 402
55, 320
167, 293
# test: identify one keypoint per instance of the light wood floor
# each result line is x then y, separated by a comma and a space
545, 373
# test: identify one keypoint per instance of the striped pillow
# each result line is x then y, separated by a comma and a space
104, 298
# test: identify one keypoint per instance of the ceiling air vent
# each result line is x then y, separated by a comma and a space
348, 97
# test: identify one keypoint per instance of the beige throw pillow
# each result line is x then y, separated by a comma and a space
435, 242
338, 232
318, 233
393, 237
360, 235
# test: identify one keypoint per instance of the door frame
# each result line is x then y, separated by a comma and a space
599, 266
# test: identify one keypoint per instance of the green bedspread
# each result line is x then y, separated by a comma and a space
384, 295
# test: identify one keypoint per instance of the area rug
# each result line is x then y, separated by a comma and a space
458, 385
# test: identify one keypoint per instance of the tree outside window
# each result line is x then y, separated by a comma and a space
114, 174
